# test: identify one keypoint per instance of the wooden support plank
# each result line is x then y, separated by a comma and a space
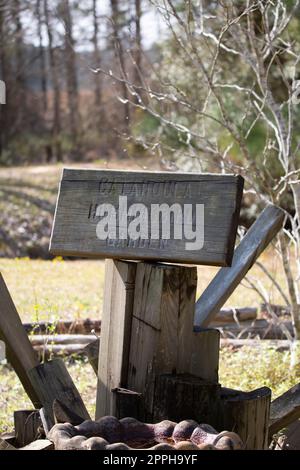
19, 351
285, 410
92, 352
63, 414
27, 426
247, 414
79, 210
226, 280
53, 381
115, 333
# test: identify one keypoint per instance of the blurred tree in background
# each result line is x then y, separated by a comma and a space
59, 106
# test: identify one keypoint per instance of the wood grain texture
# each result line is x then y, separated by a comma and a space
177, 398
226, 280
115, 333
162, 336
53, 381
19, 351
82, 191
63, 414
247, 414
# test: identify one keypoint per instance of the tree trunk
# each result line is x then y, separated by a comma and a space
4, 65
71, 72
97, 62
43, 76
119, 51
56, 128
20, 94
138, 43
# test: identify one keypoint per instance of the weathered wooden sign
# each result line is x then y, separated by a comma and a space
177, 217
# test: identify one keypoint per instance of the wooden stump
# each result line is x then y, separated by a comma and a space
180, 397
247, 414
115, 333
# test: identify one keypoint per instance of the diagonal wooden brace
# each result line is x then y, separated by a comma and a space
226, 280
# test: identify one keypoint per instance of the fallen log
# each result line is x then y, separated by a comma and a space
279, 310
259, 328
82, 340
277, 344
64, 327
235, 314
58, 349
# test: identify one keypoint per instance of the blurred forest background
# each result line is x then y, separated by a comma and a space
59, 106
188, 85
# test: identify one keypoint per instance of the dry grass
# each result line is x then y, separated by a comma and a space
60, 289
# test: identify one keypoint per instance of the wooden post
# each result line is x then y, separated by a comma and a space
247, 414
162, 337
27, 424
63, 414
19, 351
115, 333
53, 381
